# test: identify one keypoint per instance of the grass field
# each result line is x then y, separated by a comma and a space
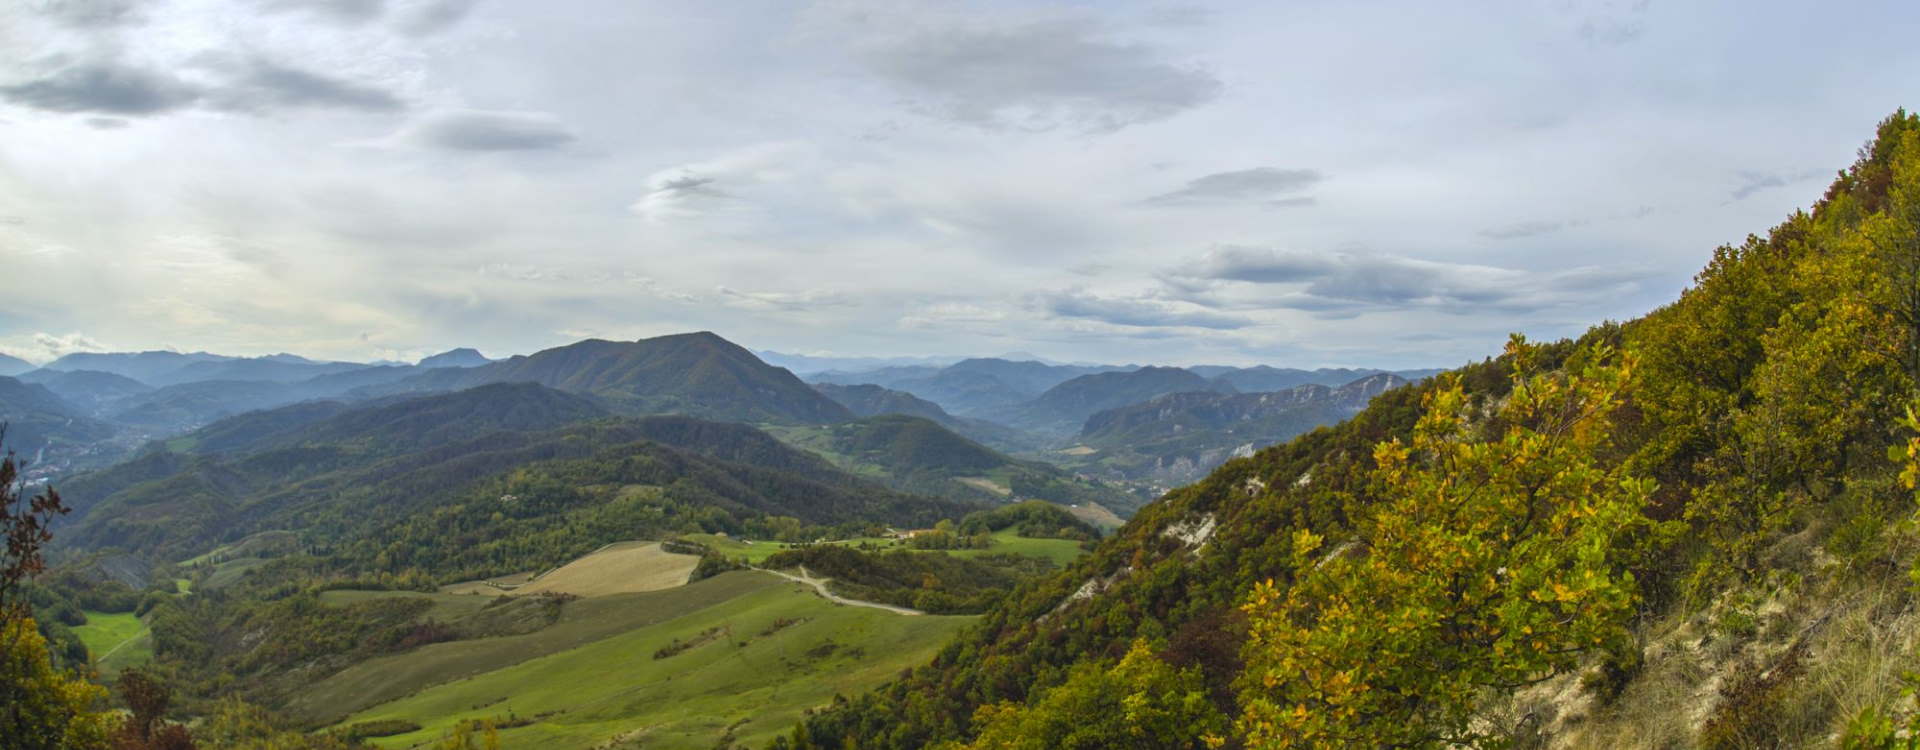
581, 622
1005, 542
768, 650
619, 568
116, 640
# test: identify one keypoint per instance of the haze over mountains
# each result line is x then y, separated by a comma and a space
87, 408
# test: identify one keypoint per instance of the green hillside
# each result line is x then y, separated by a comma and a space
917, 455
752, 663
1689, 530
697, 374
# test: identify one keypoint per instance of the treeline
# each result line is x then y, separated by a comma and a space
930, 582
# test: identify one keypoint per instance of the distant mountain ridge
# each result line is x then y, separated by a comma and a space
462, 357
1179, 437
11, 365
698, 374
1063, 408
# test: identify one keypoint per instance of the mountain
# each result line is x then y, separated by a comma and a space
1178, 437
802, 364
1264, 379
11, 365
969, 387
868, 400
281, 368
91, 391
1596, 526
698, 374
462, 357
36, 419
1062, 409
1029, 376
175, 408
147, 367
918, 455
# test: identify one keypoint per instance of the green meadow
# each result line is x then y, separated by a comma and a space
758, 651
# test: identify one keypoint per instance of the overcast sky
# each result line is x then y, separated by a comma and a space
1293, 183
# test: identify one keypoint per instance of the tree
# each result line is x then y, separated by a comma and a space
1485, 564
1142, 702
146, 728
40, 707
24, 522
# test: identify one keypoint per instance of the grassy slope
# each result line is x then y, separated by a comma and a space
613, 685
1005, 542
581, 622
116, 641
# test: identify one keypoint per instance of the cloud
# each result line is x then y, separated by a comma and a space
103, 87
90, 14
1029, 74
1135, 313
1347, 283
1612, 23
784, 301
434, 16
55, 347
259, 85
483, 130
691, 190
347, 12
1522, 229
107, 123
1271, 185
1754, 182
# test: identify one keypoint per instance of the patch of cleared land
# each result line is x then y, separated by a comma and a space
1008, 542
1097, 515
115, 641
581, 622
618, 568
760, 658
985, 484
1079, 450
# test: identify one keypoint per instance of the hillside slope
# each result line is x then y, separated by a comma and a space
1690, 530
698, 374
1179, 437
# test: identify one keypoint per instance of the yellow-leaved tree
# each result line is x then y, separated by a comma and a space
1494, 556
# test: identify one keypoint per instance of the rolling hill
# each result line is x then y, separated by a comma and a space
11, 366
918, 455
92, 391
1696, 517
698, 374
1178, 437
1061, 410
36, 419
360, 473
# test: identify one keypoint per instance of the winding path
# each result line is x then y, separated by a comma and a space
820, 585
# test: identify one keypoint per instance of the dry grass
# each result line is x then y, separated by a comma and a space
1850, 623
621, 568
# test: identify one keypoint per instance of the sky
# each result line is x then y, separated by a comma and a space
1303, 184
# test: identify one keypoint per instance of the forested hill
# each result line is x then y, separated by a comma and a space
698, 374
332, 473
1693, 529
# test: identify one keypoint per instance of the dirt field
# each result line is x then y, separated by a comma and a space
620, 568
